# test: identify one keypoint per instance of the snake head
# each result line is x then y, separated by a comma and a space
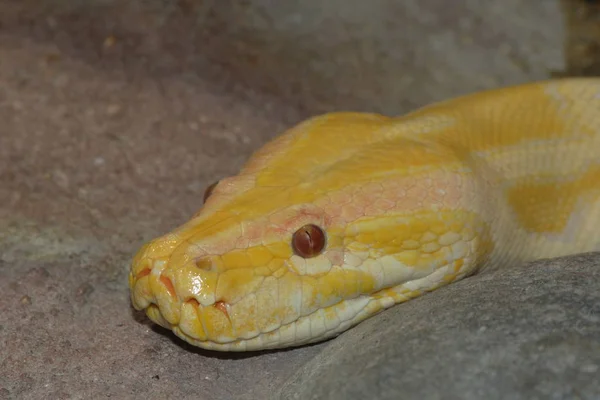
314, 235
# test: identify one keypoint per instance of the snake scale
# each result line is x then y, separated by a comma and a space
347, 214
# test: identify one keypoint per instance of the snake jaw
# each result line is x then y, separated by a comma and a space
183, 298
210, 326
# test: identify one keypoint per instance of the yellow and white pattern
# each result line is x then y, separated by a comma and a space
406, 204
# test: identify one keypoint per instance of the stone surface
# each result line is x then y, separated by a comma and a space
387, 56
116, 114
520, 333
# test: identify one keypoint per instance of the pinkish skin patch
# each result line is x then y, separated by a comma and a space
409, 192
335, 257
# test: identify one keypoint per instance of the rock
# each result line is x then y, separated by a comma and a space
521, 333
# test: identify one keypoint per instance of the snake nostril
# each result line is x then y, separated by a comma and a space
204, 263
168, 284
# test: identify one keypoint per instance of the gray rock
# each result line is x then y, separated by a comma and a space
520, 333
387, 56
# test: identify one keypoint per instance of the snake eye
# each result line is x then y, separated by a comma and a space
208, 191
308, 241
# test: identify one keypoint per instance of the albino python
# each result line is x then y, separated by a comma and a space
347, 214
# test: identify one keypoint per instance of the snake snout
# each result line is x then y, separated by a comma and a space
177, 294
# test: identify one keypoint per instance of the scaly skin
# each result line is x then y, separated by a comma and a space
407, 205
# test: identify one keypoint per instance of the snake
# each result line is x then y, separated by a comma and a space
346, 214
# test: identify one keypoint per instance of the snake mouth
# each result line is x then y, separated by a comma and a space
216, 325
212, 324
314, 327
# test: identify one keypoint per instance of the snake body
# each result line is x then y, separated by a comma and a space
395, 208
